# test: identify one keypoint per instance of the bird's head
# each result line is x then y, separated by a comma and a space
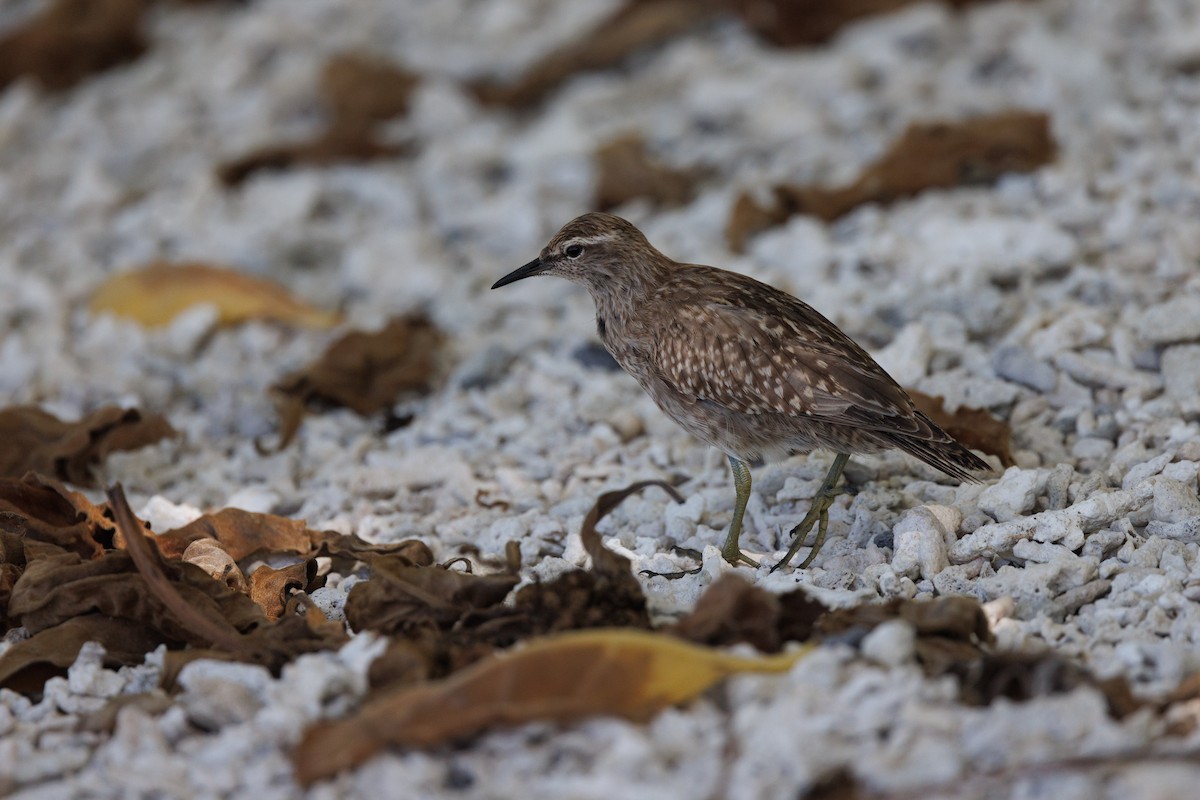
601, 251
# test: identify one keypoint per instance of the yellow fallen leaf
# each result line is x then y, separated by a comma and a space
623, 672
158, 292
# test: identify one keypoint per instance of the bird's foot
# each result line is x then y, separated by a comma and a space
735, 556
818, 514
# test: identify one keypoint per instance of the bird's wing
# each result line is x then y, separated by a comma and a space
779, 357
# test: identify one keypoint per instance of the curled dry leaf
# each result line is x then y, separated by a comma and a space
341, 143
71, 40
449, 619
27, 665
368, 88
974, 427
928, 155
561, 678
401, 598
606, 595
272, 588
360, 92
33, 440
241, 534
365, 372
159, 292
953, 638
37, 510
789, 23
60, 579
625, 171
210, 556
732, 610
636, 25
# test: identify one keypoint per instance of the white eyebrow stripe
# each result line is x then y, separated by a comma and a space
585, 240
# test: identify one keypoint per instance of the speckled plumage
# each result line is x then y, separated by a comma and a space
740, 365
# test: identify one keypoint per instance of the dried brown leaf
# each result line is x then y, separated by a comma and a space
365, 372
39, 510
241, 534
210, 556
359, 91
368, 88
345, 551
27, 665
974, 427
158, 292
637, 25
732, 610
632, 674
406, 599
342, 143
789, 23
953, 638
928, 155
71, 40
35, 440
625, 171
271, 588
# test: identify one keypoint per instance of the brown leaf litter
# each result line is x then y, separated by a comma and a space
61, 574
928, 155
158, 292
637, 26
625, 171
70, 40
790, 23
359, 92
446, 674
633, 27
429, 692
35, 440
365, 372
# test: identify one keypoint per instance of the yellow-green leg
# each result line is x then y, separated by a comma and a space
741, 484
818, 512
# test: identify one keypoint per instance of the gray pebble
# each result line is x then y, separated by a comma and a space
1174, 501
1181, 373
1177, 320
1016, 364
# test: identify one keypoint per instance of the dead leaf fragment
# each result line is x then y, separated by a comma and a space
360, 92
365, 372
625, 171
210, 556
732, 610
560, 678
40, 517
929, 155
789, 23
26, 666
637, 25
241, 534
401, 598
363, 87
159, 292
71, 40
974, 427
341, 143
271, 588
33, 440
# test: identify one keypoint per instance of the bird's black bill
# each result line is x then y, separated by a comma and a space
529, 270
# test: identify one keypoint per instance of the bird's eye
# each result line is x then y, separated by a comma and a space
573, 250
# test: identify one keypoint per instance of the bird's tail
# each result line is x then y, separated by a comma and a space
942, 451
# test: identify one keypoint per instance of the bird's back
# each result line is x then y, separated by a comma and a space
755, 362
